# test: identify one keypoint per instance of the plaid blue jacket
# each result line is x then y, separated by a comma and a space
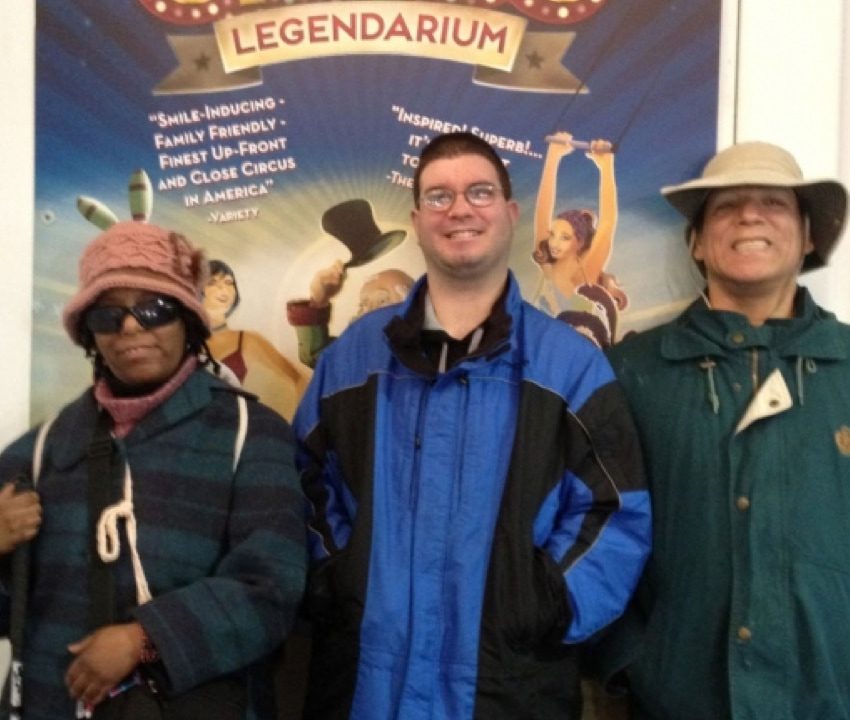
223, 553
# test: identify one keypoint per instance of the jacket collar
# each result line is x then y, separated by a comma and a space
701, 332
404, 331
72, 431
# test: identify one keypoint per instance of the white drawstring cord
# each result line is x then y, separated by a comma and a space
108, 537
109, 541
708, 365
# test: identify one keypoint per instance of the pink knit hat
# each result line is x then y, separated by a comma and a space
141, 256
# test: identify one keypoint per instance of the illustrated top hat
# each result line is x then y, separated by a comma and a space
351, 223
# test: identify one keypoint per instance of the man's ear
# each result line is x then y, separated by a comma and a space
694, 245
513, 211
695, 248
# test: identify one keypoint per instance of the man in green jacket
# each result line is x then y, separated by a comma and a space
743, 408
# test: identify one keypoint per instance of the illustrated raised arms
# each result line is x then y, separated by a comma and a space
572, 249
577, 144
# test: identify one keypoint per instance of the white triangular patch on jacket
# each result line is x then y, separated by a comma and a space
772, 398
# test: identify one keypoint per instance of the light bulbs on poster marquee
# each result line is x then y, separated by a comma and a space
203, 12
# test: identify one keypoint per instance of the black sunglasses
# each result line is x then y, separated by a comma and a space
158, 311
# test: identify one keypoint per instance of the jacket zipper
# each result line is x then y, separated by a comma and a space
417, 445
461, 441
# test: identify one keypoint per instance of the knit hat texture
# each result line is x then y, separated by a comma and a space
140, 256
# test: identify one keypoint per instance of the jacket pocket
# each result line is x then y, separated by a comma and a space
542, 612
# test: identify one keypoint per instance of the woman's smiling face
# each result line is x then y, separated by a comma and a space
219, 296
136, 355
562, 239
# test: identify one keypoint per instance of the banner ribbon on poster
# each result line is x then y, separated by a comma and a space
496, 43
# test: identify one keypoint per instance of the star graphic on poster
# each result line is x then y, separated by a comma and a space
200, 68
543, 71
535, 60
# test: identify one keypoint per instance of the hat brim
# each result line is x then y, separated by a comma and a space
825, 204
85, 298
385, 243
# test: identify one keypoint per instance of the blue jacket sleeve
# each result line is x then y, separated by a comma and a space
601, 536
332, 508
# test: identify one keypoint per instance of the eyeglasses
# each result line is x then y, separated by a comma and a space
149, 314
477, 195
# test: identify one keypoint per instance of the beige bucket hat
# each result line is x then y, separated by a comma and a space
763, 164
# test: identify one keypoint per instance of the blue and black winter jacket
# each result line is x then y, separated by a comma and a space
469, 527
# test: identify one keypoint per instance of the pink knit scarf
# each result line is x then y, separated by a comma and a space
127, 411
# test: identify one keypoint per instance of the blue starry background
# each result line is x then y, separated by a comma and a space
650, 68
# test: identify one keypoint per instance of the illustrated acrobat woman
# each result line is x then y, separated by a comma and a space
572, 248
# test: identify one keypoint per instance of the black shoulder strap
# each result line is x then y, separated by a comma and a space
101, 583
20, 581
99, 491
13, 695
12, 704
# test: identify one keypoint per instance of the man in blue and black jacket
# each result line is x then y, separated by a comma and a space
479, 504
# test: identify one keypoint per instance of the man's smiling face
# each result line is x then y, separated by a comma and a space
752, 237
464, 241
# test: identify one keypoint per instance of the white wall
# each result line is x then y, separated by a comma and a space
788, 89
17, 23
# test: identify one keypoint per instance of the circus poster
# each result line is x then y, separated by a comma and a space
282, 137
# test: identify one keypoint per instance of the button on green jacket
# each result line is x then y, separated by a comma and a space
746, 433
